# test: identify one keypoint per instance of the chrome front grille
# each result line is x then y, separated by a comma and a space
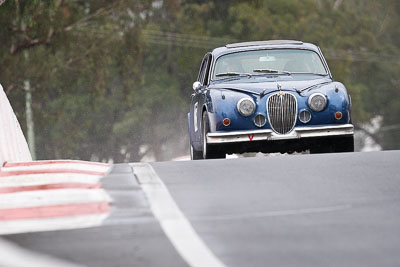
282, 112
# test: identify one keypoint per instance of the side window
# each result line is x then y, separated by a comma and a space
207, 72
202, 71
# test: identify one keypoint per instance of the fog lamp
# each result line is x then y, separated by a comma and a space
305, 116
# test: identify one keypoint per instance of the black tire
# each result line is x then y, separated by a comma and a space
344, 144
194, 154
334, 145
321, 148
209, 151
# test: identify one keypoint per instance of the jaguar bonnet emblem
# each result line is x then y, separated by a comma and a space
280, 88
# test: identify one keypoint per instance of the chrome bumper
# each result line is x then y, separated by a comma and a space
269, 135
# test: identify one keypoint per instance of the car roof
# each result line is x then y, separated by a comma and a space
258, 43
270, 44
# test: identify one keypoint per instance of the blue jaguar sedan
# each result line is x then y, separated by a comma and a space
268, 96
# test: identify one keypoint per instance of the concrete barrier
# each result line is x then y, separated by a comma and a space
13, 145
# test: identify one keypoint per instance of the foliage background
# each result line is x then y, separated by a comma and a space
111, 80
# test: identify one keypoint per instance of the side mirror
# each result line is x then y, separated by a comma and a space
197, 86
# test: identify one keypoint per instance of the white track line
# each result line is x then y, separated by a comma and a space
51, 224
15, 256
41, 198
277, 213
175, 225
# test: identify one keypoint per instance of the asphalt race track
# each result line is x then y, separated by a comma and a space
298, 210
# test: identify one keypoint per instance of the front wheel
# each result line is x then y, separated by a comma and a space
209, 151
194, 154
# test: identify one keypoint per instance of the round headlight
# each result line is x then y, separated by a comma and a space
246, 106
317, 102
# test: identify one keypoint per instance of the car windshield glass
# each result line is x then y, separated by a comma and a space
271, 61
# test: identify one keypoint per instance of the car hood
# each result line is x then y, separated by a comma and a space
267, 87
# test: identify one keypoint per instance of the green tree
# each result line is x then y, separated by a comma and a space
111, 80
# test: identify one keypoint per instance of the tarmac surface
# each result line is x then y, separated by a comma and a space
297, 210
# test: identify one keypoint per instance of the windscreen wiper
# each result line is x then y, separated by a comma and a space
272, 71
232, 74
312, 73
312, 86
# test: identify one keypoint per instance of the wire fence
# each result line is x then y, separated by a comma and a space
206, 42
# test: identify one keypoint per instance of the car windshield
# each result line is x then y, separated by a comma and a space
271, 61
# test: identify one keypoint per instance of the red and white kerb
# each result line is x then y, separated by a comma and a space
52, 195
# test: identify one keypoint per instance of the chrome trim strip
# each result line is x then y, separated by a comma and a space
195, 109
269, 135
236, 133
